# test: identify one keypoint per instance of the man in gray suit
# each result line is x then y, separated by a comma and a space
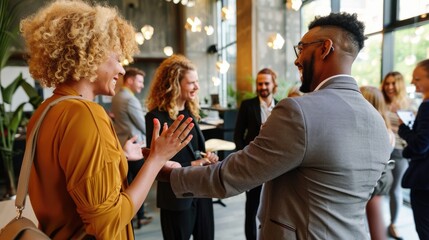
129, 122
319, 155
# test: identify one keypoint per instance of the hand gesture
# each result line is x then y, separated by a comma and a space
133, 150
171, 140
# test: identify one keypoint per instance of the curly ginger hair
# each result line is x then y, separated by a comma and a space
69, 39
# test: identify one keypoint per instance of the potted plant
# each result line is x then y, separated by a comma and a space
11, 119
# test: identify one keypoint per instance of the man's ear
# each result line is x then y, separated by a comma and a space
327, 48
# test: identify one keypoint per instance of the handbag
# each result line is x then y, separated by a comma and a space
21, 227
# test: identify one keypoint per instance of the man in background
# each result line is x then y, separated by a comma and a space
129, 122
252, 114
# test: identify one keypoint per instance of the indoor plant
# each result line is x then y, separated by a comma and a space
10, 119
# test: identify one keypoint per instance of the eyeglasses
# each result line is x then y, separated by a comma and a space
298, 48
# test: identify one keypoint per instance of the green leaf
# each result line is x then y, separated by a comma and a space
16, 119
35, 98
7, 93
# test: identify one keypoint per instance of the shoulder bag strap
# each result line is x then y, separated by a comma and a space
30, 148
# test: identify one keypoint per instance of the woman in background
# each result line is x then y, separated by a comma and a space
416, 176
373, 208
174, 91
78, 182
395, 95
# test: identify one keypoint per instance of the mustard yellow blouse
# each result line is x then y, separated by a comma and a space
79, 172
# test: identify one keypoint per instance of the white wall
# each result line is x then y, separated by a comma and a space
8, 74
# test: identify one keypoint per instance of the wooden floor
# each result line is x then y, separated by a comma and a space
229, 220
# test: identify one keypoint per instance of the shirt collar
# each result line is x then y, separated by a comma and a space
264, 104
329, 78
128, 89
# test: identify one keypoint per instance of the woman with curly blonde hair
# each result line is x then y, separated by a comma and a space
174, 91
78, 182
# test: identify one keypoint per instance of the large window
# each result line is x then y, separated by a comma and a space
410, 46
367, 66
312, 9
411, 8
397, 31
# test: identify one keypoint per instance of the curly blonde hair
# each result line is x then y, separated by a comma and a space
69, 39
165, 88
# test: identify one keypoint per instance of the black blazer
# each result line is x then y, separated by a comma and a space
248, 122
417, 149
165, 197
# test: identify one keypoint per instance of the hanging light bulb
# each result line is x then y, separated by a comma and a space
209, 30
176, 1
191, 3
147, 31
293, 4
193, 24
216, 81
139, 38
168, 50
184, 2
222, 66
276, 41
226, 13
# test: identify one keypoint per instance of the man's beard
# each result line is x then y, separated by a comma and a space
264, 93
307, 76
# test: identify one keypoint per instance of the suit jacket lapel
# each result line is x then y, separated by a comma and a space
257, 110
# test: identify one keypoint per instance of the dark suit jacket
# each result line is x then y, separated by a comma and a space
165, 197
248, 122
417, 149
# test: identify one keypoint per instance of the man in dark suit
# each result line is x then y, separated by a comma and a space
252, 114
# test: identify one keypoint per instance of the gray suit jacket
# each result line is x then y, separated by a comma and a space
326, 151
129, 116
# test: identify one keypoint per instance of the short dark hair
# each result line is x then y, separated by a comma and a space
132, 72
273, 76
346, 21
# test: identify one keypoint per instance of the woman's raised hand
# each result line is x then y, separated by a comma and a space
172, 139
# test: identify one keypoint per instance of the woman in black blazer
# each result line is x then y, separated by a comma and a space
416, 177
173, 92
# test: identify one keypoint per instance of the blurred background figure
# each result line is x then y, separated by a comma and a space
174, 91
416, 176
395, 95
252, 114
129, 122
374, 206
294, 91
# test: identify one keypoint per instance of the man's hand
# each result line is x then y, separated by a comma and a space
164, 173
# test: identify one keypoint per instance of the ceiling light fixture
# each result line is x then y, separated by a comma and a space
147, 31
193, 24
209, 30
139, 38
222, 66
293, 4
168, 50
276, 41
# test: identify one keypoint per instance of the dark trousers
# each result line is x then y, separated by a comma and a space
420, 205
252, 205
133, 169
198, 221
